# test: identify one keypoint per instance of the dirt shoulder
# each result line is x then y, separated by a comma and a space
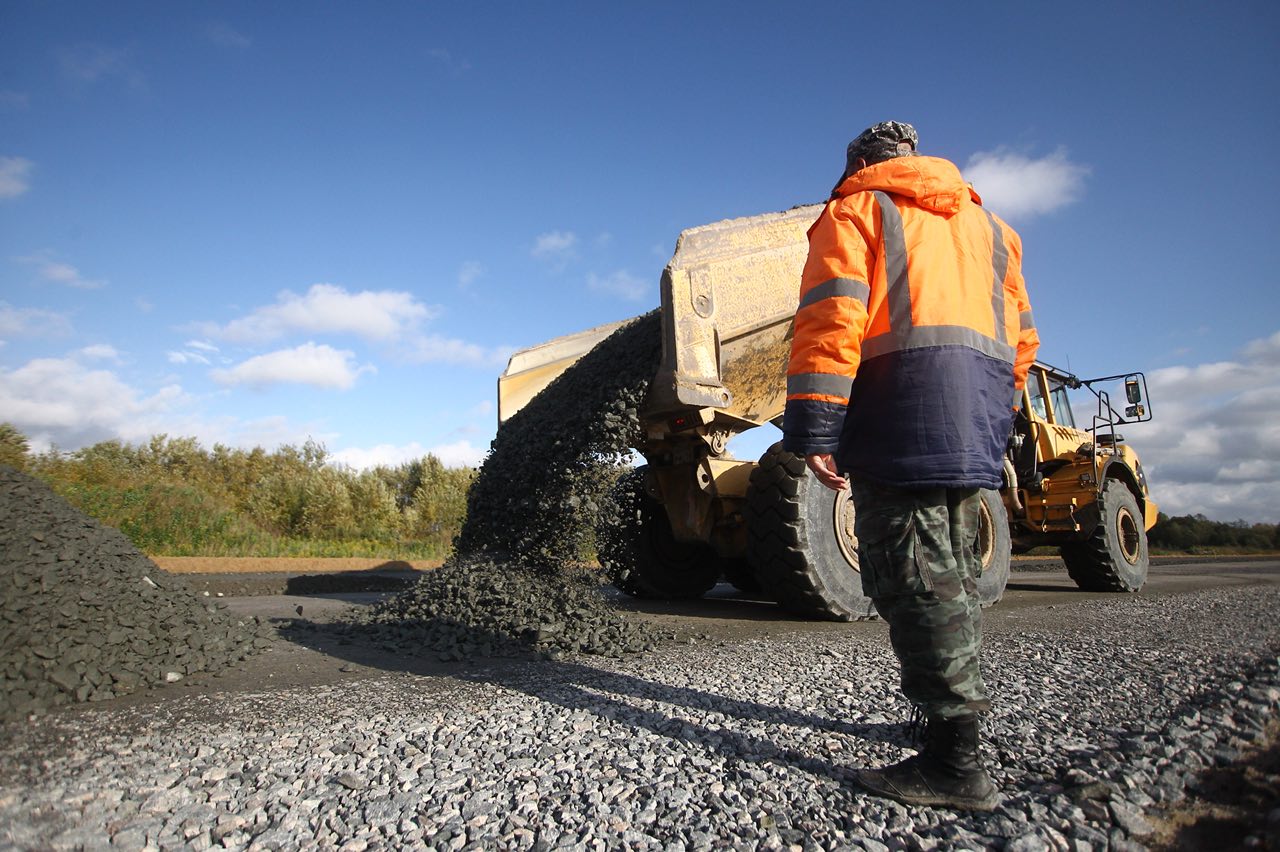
284, 564
252, 576
315, 565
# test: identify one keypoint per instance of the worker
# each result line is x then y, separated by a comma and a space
913, 339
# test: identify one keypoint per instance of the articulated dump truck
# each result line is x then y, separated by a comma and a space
728, 298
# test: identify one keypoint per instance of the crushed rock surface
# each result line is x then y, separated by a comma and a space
84, 616
1097, 726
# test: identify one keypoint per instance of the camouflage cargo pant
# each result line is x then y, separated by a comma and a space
918, 566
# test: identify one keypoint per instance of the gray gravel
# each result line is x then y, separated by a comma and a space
538, 497
474, 606
84, 616
690, 747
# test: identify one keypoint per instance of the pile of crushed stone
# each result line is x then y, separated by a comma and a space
476, 607
84, 616
516, 583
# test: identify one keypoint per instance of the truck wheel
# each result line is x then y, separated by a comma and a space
1114, 558
993, 548
641, 556
800, 540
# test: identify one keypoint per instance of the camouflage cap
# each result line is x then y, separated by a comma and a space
881, 142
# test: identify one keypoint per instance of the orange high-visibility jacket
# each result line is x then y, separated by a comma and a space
913, 333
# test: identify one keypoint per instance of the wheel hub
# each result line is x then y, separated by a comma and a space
1128, 536
984, 546
843, 517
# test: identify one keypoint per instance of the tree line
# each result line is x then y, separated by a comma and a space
173, 497
1198, 534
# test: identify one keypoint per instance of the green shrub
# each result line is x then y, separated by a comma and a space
375, 514
13, 447
176, 520
172, 497
439, 504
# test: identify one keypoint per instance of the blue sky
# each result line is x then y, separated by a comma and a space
256, 223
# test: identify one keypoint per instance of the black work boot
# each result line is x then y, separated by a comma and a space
946, 774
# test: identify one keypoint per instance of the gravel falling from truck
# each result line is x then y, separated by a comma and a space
539, 494
517, 581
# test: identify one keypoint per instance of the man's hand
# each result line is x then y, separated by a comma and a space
823, 466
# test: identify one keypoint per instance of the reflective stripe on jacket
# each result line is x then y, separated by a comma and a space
913, 331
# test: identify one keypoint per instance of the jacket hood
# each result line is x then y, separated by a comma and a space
932, 182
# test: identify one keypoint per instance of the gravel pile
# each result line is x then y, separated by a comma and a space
85, 617
1101, 717
516, 585
476, 607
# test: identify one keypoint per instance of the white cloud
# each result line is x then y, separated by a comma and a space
1213, 445
388, 317
176, 356
89, 63
555, 245
456, 454
70, 404
65, 273
14, 176
469, 273
327, 309
433, 349
223, 35
55, 271
62, 401
193, 352
623, 284
1265, 351
1016, 186
459, 453
309, 364
32, 322
446, 59
100, 352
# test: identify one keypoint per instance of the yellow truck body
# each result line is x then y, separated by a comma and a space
728, 297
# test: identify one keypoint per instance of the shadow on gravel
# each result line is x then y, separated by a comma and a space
1042, 587
391, 576
721, 602
614, 697
388, 577
578, 687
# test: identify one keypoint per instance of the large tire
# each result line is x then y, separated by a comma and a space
1114, 558
642, 557
993, 549
800, 540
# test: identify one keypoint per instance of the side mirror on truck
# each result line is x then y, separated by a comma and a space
1132, 390
1133, 393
